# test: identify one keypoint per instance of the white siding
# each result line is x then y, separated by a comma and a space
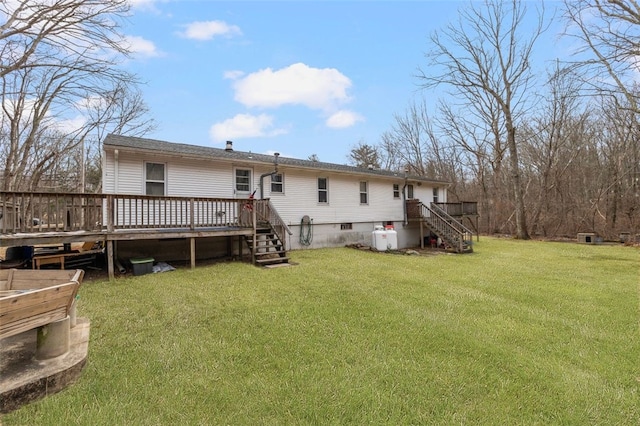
301, 198
188, 177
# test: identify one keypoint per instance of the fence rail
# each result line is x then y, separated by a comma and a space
463, 208
36, 212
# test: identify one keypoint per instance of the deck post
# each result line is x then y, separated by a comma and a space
421, 234
254, 218
192, 243
112, 274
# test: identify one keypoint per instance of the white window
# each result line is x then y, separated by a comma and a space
396, 190
323, 190
277, 184
243, 181
154, 178
364, 193
435, 195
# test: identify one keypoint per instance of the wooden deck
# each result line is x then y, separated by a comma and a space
36, 218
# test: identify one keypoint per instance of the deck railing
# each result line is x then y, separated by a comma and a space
32, 212
463, 208
35, 212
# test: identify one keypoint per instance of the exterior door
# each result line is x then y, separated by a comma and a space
242, 182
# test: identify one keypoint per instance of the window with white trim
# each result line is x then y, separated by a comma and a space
323, 190
364, 193
277, 183
154, 179
243, 180
396, 190
435, 195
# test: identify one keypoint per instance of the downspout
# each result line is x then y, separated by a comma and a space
276, 154
404, 198
116, 171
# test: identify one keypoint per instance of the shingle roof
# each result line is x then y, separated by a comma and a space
143, 144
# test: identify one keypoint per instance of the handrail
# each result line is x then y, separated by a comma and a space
268, 213
38, 212
447, 227
455, 223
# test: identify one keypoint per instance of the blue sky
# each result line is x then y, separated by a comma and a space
295, 77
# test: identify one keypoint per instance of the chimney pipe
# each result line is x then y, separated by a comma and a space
229, 146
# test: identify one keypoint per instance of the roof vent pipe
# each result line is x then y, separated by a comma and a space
275, 163
229, 146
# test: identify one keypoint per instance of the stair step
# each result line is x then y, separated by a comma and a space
258, 252
272, 260
278, 265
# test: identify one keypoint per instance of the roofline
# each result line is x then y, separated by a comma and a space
138, 144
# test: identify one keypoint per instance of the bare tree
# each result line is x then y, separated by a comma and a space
39, 33
608, 53
608, 60
61, 84
553, 145
485, 58
363, 155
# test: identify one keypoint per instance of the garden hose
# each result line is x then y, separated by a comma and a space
306, 231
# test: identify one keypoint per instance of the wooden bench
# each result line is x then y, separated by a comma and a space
31, 299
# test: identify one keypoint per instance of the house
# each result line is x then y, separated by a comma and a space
322, 204
169, 201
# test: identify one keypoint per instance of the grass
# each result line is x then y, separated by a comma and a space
515, 333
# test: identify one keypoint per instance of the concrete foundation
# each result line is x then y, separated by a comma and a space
25, 378
53, 339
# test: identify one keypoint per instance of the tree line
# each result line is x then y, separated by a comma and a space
63, 90
544, 154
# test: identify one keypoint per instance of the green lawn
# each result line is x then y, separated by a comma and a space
515, 333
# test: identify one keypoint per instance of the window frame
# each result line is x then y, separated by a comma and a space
148, 181
435, 194
324, 190
364, 193
396, 191
249, 177
281, 183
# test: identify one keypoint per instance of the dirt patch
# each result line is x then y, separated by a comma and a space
412, 251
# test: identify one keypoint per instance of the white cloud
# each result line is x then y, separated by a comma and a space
297, 84
244, 126
70, 126
141, 46
207, 30
149, 5
233, 75
342, 119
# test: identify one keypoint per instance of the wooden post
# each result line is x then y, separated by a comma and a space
192, 221
255, 232
421, 234
192, 242
112, 274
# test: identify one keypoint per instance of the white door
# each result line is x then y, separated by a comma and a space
242, 182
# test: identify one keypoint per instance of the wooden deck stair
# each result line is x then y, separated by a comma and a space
267, 249
456, 235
